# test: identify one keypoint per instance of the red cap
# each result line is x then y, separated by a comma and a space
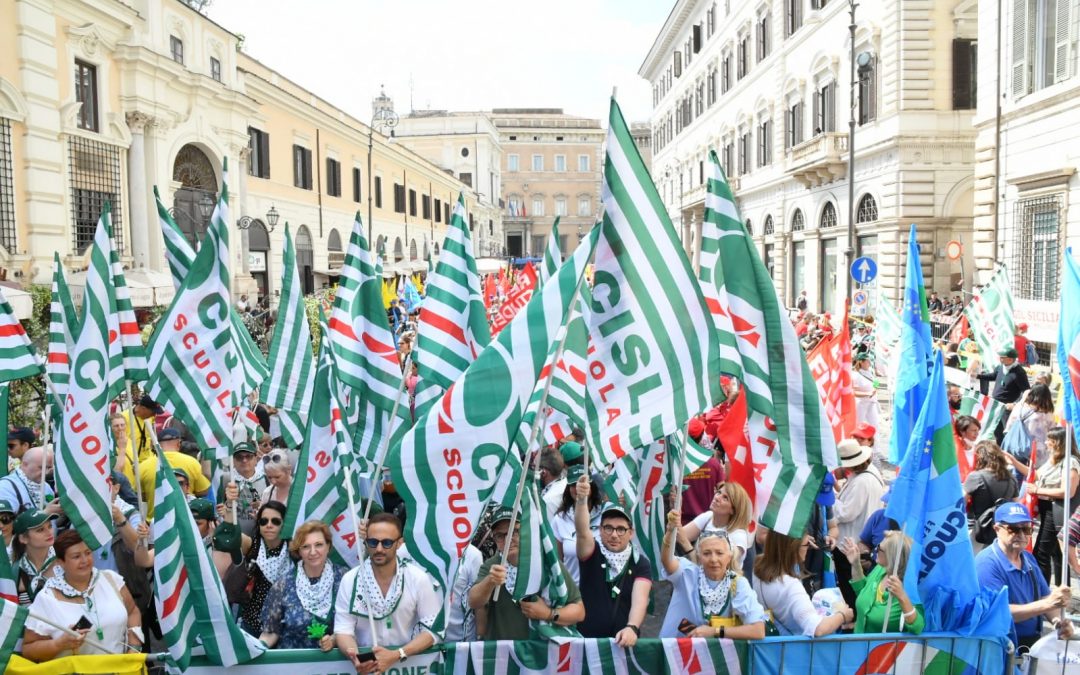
864, 430
1022, 326
695, 428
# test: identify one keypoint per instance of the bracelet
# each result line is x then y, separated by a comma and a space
121, 523
137, 632
909, 614
636, 629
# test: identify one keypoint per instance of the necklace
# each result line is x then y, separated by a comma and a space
714, 594
272, 566
60, 583
381, 606
316, 598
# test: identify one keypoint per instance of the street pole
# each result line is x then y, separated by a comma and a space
370, 145
849, 252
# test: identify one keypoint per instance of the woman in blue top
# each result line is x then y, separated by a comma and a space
709, 599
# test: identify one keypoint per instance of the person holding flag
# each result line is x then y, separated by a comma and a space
873, 612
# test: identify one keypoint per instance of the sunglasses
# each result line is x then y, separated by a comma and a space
270, 521
1019, 529
273, 458
373, 543
611, 529
7, 518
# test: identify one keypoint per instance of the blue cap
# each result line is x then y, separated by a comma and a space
826, 496
1012, 514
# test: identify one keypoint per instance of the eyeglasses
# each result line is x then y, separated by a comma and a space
709, 534
373, 543
7, 518
1019, 529
270, 521
611, 529
273, 458
501, 536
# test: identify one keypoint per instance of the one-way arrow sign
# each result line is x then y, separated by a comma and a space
864, 270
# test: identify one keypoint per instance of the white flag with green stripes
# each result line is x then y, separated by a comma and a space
197, 369
453, 326
188, 595
17, 356
63, 329
656, 350
12, 623
780, 389
83, 462
552, 254
990, 315
128, 334
292, 362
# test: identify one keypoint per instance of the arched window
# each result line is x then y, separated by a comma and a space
436, 248
380, 246
305, 258
749, 227
828, 216
769, 228
333, 241
798, 224
413, 252
867, 212
399, 249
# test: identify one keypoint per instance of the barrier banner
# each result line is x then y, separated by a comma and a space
861, 654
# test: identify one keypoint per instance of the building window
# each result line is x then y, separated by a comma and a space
828, 216
793, 119
399, 198
867, 211
356, 191
1034, 248
301, 167
825, 109
764, 143
729, 159
1043, 49
412, 202
466, 178
215, 69
798, 224
378, 192
711, 82
560, 163
964, 83
583, 163
725, 73
512, 163
700, 100
438, 210
743, 57
425, 207
538, 206
7, 188
86, 94
710, 21
333, 177
793, 12
560, 206
95, 179
176, 48
868, 92
817, 4
446, 213
764, 38
749, 227
584, 206
537, 162
259, 153
768, 228
744, 153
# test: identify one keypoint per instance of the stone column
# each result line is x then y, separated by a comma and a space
138, 190
243, 153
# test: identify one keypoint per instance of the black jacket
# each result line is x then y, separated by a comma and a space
1009, 384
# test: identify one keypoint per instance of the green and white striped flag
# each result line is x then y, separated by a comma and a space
197, 369
453, 326
990, 315
983, 408
130, 338
83, 453
789, 430
292, 363
17, 356
887, 329
448, 464
12, 622
181, 256
63, 328
188, 594
552, 254
657, 355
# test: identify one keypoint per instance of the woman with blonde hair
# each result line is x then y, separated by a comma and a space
730, 510
874, 590
779, 589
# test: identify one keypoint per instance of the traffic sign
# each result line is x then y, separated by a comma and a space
859, 298
954, 250
864, 270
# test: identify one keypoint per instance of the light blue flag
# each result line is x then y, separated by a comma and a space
915, 350
411, 296
1068, 349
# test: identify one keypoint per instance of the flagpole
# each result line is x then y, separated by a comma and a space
376, 479
888, 603
134, 450
528, 472
678, 485
363, 549
47, 421
69, 631
534, 432
1066, 468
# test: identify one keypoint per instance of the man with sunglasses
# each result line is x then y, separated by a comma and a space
403, 601
20, 439
615, 580
1008, 563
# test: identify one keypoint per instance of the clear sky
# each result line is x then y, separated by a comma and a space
464, 55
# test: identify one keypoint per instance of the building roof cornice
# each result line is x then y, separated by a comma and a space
662, 44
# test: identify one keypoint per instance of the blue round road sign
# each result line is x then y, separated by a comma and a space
863, 270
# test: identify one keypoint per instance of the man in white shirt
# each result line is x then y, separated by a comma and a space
403, 601
552, 479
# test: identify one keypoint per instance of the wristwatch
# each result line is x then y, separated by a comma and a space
402, 656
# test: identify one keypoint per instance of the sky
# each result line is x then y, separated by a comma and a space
464, 55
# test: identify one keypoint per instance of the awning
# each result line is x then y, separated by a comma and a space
146, 287
489, 265
22, 303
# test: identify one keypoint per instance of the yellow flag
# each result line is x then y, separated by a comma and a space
122, 664
388, 292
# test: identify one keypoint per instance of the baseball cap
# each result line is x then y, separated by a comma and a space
1012, 514
570, 451
150, 403
695, 428
180, 473
28, 520
1008, 353
202, 509
826, 495
227, 540
573, 472
243, 446
1022, 326
168, 434
864, 430
613, 507
5, 506
502, 513
24, 434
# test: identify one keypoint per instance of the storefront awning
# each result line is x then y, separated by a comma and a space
22, 303
146, 287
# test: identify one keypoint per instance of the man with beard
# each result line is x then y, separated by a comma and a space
402, 599
615, 580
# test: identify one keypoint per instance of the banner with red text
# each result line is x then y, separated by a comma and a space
516, 298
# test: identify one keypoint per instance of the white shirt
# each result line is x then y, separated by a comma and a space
738, 538
552, 495
109, 614
565, 532
460, 615
418, 599
792, 610
860, 497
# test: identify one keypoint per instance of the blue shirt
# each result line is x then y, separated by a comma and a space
874, 531
1026, 583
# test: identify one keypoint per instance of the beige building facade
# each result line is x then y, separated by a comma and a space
552, 164
766, 84
101, 100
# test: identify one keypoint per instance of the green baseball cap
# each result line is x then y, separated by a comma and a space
5, 506
573, 472
502, 513
202, 509
243, 446
28, 520
614, 507
571, 451
227, 539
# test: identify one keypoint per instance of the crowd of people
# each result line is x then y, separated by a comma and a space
729, 576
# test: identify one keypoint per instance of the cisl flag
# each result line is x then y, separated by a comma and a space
517, 298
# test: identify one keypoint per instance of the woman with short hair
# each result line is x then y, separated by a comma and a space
776, 581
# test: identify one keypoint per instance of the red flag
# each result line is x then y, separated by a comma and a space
965, 459
1030, 501
489, 290
960, 330
830, 365
517, 298
728, 426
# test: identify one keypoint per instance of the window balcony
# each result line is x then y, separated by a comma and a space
820, 160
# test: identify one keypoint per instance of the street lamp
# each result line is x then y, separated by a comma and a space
849, 252
383, 118
206, 209
272, 216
